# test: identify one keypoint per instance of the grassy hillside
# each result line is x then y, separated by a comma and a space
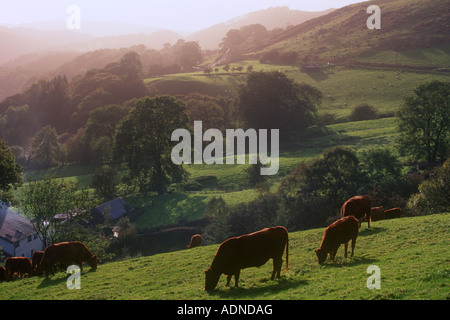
412, 254
343, 88
408, 28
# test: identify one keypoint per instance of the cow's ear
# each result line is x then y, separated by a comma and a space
316, 250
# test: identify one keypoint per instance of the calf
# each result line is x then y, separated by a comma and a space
17, 265
358, 207
393, 213
196, 241
377, 213
251, 250
340, 232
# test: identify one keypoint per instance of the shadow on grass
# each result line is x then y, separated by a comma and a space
51, 281
370, 231
349, 262
58, 279
257, 290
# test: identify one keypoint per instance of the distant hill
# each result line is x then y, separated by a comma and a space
278, 17
18, 41
343, 33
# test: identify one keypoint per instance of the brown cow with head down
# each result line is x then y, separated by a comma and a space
393, 213
17, 265
64, 254
251, 250
340, 232
196, 241
377, 213
358, 207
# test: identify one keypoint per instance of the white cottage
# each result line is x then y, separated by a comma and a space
17, 235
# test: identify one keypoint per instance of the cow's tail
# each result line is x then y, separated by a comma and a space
287, 252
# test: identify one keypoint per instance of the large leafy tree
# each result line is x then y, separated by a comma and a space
10, 173
143, 143
52, 204
315, 191
189, 55
424, 122
270, 100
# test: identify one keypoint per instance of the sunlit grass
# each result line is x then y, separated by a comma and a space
412, 254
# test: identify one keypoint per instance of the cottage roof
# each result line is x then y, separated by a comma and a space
13, 227
118, 208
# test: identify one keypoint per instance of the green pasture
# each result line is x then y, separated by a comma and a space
412, 254
343, 88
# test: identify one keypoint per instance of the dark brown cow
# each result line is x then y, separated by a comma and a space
36, 260
251, 250
377, 213
196, 241
393, 213
64, 254
358, 207
2, 274
340, 232
17, 265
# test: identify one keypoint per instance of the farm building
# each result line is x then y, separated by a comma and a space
115, 209
17, 235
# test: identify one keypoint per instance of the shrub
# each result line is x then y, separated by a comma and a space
363, 112
433, 195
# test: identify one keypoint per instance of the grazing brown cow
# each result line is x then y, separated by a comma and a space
36, 260
2, 274
340, 232
358, 207
393, 213
196, 241
17, 265
377, 213
64, 254
251, 250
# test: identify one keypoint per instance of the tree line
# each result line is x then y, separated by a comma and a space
311, 196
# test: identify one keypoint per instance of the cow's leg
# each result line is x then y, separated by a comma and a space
333, 254
346, 248
229, 279
277, 263
353, 245
236, 278
368, 220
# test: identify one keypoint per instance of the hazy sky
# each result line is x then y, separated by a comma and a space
188, 15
